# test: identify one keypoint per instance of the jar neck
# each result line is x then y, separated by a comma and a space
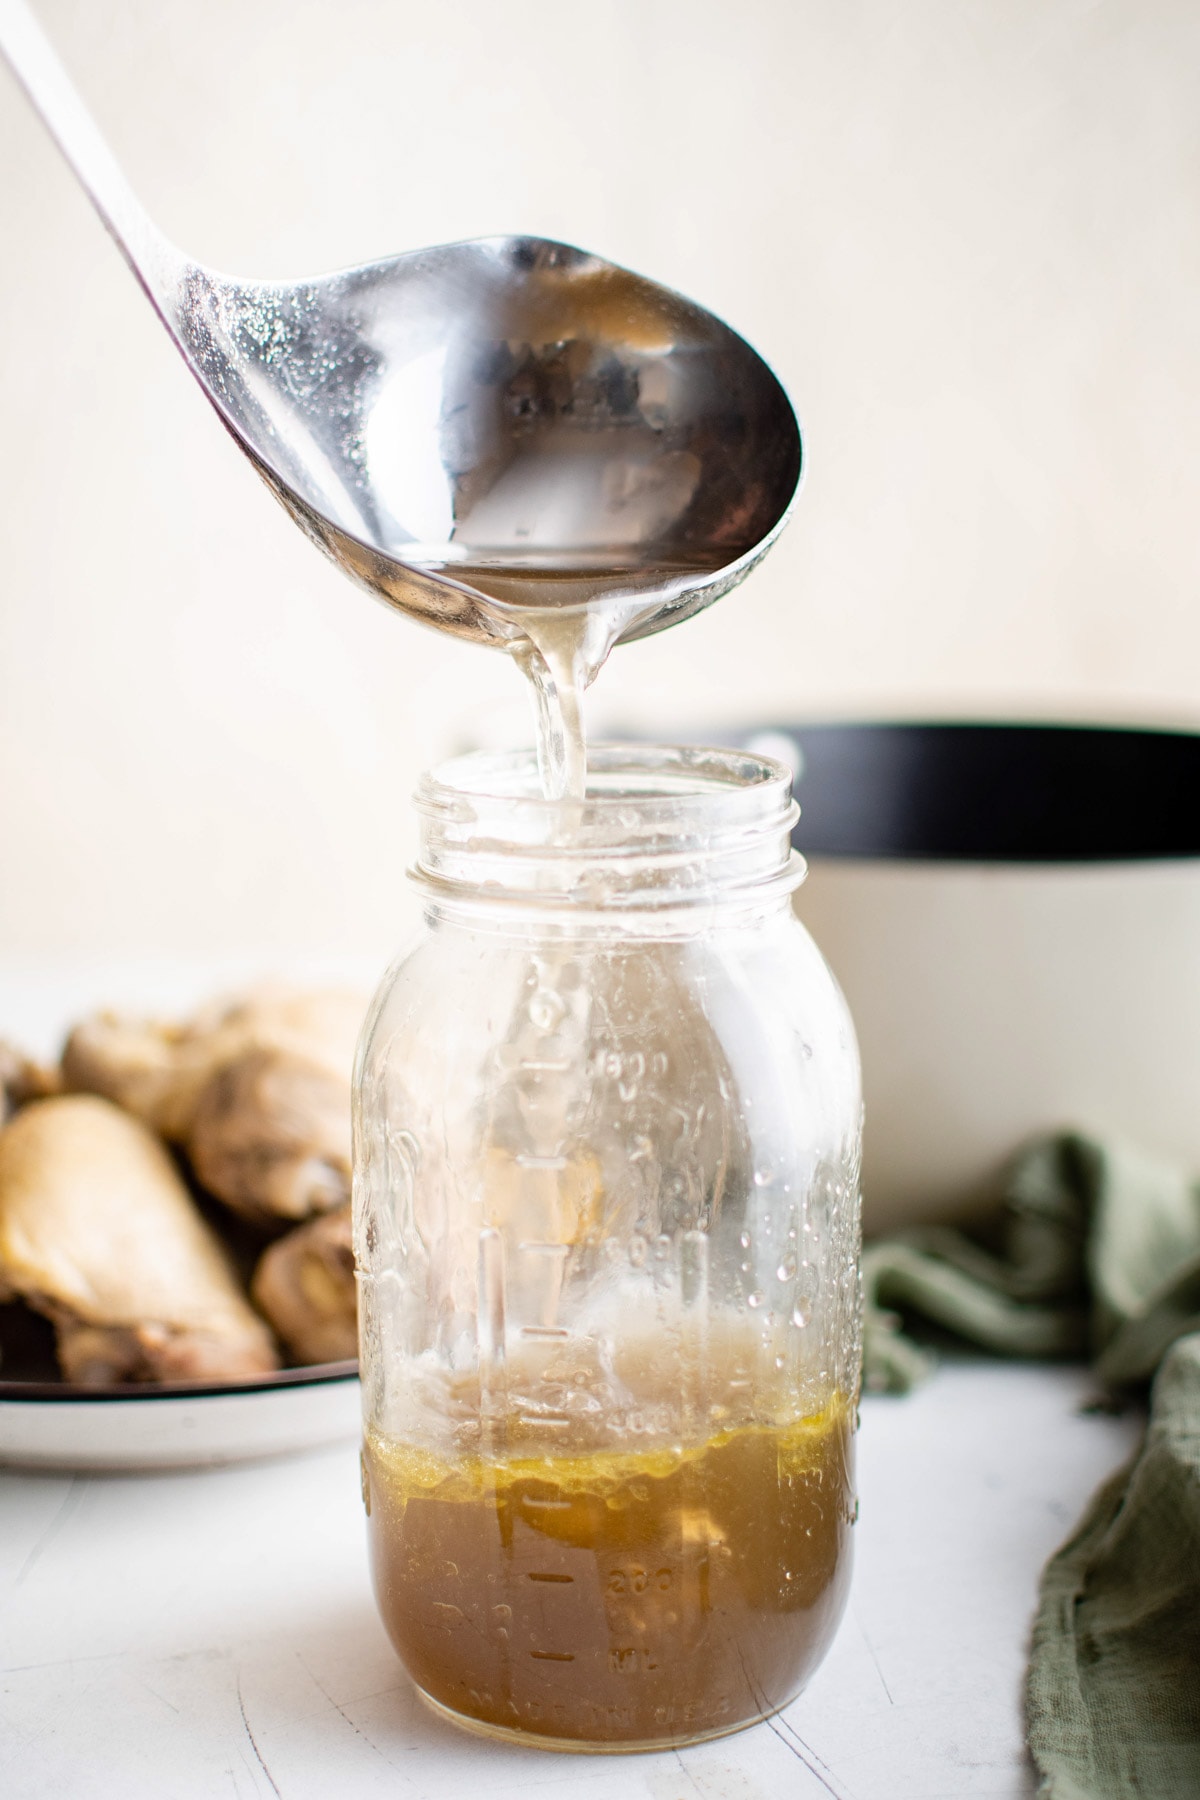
662, 831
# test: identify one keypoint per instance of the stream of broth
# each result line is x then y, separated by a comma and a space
566, 619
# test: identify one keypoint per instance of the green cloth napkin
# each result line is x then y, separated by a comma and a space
1092, 1249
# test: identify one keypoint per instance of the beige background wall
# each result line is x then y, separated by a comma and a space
967, 235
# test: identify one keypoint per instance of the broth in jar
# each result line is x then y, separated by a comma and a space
618, 1598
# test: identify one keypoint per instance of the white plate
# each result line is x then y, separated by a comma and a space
51, 1425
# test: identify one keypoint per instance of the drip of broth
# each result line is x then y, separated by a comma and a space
628, 1598
565, 619
551, 654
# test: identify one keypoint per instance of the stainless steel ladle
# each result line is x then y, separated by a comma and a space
474, 429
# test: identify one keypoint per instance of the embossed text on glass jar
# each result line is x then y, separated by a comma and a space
606, 1218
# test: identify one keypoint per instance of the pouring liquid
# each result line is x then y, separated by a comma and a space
551, 656
565, 619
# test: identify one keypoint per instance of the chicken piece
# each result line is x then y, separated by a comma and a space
22, 1079
99, 1233
257, 1092
304, 1284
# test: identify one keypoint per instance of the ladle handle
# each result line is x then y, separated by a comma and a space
154, 260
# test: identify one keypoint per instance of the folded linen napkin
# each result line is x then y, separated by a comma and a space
1093, 1248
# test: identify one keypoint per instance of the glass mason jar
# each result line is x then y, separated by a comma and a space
607, 1131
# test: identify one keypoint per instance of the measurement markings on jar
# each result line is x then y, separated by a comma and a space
538, 1575
555, 1419
553, 1655
548, 1505
544, 1331
634, 1661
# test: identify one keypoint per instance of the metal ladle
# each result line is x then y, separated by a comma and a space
475, 429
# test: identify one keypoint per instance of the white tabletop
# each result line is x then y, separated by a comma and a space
185, 1636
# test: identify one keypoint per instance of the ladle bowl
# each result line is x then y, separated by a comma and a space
475, 429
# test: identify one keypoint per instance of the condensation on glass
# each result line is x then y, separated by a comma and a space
607, 1145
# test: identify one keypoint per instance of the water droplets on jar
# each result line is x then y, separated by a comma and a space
547, 1010
629, 1076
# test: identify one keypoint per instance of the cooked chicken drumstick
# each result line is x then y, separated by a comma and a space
305, 1285
257, 1092
99, 1233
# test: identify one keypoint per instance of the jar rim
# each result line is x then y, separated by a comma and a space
661, 826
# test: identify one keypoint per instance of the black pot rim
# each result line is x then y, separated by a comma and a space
983, 791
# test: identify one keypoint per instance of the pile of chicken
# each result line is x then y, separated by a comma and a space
247, 1103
